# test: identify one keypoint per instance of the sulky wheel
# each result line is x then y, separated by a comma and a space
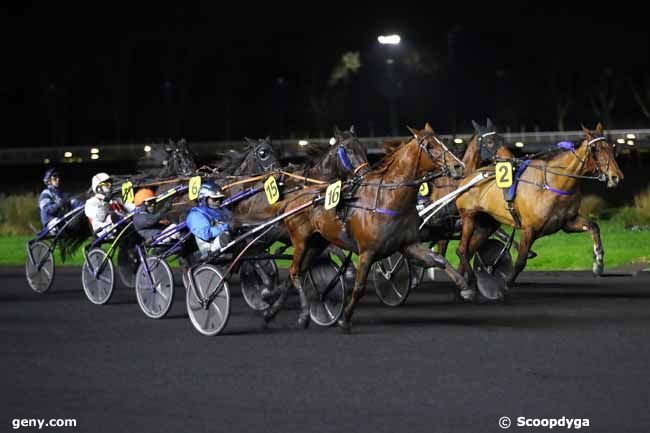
492, 265
98, 277
208, 319
39, 267
322, 282
392, 277
154, 289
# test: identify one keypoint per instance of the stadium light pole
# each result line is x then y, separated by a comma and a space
391, 42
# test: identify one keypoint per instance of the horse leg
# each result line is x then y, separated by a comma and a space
336, 251
503, 236
427, 258
526, 242
366, 259
301, 259
442, 247
582, 224
273, 310
463, 251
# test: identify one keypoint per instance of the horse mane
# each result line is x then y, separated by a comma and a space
553, 151
231, 160
158, 161
316, 151
390, 157
390, 146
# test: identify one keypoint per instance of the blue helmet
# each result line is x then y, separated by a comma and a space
209, 189
50, 172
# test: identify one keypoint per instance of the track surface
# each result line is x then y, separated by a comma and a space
570, 345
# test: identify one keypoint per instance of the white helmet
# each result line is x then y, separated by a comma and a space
98, 179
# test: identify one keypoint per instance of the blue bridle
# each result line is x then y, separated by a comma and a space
343, 156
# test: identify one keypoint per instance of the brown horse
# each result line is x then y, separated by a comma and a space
380, 219
547, 200
485, 147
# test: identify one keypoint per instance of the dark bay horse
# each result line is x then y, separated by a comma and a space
547, 200
380, 219
255, 158
171, 159
345, 159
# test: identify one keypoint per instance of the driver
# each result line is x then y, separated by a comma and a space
209, 223
102, 209
52, 202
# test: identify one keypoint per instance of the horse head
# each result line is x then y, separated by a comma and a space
350, 154
260, 156
601, 157
488, 142
436, 155
179, 161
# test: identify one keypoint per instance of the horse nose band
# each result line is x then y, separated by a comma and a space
345, 160
365, 164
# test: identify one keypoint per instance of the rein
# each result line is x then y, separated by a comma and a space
415, 183
601, 175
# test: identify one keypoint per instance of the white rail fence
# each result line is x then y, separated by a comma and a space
526, 142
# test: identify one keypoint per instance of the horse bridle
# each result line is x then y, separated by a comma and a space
490, 153
423, 143
345, 160
600, 174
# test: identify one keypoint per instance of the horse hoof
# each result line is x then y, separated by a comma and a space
303, 322
269, 296
268, 315
344, 326
598, 269
468, 294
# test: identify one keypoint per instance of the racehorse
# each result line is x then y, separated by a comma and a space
380, 218
485, 147
345, 159
172, 159
547, 200
257, 157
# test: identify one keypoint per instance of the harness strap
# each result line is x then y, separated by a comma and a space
374, 209
295, 176
244, 181
520, 170
558, 191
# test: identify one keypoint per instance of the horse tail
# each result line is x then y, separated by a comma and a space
75, 235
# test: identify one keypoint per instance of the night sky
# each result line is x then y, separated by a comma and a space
111, 73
